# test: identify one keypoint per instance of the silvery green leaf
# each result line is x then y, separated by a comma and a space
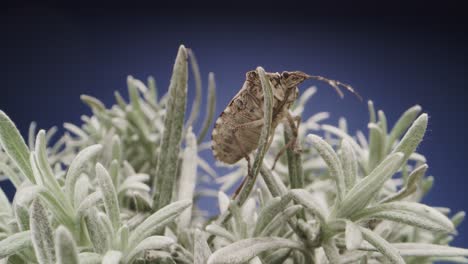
278, 257
195, 111
349, 161
21, 216
383, 123
255, 260
331, 251
109, 195
458, 218
152, 242
112, 257
220, 231
90, 201
370, 106
78, 165
413, 137
122, 237
32, 135
157, 221
188, 176
65, 247
223, 202
93, 102
14, 146
40, 152
210, 108
56, 205
82, 187
353, 236
14, 243
172, 134
277, 223
410, 185
390, 252
5, 206
366, 189
244, 250
12, 176
201, 250
339, 133
41, 234
273, 182
376, 145
96, 231
426, 250
272, 209
304, 198
90, 258
333, 162
403, 123
410, 213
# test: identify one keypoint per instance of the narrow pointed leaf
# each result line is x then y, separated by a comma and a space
403, 123
413, 137
156, 221
244, 250
333, 162
349, 161
172, 135
353, 236
79, 163
410, 213
201, 250
363, 192
14, 243
153, 243
390, 252
14, 146
210, 108
109, 195
41, 234
65, 247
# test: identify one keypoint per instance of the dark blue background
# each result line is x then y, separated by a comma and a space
51, 55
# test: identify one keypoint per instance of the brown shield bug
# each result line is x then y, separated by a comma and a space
237, 130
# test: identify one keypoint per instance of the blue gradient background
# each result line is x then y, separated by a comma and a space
52, 55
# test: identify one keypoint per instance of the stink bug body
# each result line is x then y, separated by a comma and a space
237, 130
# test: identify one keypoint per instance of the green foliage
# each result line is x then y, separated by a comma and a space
123, 186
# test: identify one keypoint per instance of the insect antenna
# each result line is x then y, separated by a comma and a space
336, 85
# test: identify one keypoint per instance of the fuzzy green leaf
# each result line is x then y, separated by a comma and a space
366, 189
201, 250
41, 234
78, 165
14, 146
402, 124
14, 243
349, 161
65, 247
333, 162
172, 135
390, 252
153, 243
244, 250
210, 108
112, 257
156, 221
410, 213
413, 137
96, 231
109, 195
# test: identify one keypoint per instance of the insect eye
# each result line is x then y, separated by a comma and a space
285, 74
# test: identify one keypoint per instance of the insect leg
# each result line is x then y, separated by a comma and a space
293, 122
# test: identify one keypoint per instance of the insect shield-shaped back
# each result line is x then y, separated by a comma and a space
237, 129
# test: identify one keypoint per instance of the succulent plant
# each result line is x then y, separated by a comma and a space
123, 188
